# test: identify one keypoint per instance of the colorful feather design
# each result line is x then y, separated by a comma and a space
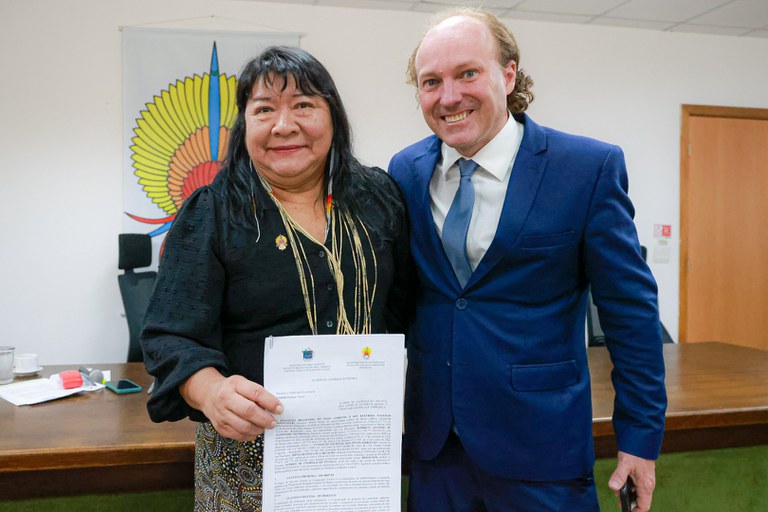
180, 138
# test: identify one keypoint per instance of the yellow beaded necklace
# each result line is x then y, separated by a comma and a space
342, 227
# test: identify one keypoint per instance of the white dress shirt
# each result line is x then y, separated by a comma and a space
489, 180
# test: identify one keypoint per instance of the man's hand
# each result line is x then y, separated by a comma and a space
237, 408
642, 471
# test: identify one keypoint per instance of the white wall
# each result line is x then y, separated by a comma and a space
60, 132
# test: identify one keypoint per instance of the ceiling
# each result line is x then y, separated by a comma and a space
738, 18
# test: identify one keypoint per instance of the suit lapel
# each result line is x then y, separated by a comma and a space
523, 185
423, 232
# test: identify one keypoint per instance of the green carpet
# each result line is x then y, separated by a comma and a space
730, 480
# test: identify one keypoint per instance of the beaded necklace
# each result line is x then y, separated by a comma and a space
343, 229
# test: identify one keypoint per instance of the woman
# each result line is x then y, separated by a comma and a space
294, 236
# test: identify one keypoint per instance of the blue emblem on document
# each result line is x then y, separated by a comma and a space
308, 353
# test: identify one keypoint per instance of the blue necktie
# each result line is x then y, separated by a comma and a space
457, 223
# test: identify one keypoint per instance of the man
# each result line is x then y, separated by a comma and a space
498, 412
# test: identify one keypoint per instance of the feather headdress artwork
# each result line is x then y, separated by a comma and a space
180, 140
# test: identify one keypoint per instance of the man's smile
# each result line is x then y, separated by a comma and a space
455, 118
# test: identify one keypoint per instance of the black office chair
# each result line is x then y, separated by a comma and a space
595, 335
135, 287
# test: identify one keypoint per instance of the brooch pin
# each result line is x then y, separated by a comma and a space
281, 242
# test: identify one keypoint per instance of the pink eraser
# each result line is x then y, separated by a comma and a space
71, 379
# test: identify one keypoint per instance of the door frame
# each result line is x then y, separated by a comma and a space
689, 111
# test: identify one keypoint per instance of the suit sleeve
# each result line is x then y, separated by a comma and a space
401, 303
625, 294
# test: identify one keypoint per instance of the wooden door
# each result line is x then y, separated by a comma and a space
724, 226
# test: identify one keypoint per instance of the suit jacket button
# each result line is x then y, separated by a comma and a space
461, 304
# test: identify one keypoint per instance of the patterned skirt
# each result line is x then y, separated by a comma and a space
227, 472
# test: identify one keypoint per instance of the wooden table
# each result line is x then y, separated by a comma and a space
718, 397
103, 442
92, 443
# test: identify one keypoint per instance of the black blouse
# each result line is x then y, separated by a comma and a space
222, 289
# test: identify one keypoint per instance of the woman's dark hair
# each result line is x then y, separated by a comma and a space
276, 65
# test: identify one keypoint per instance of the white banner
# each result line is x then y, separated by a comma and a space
178, 109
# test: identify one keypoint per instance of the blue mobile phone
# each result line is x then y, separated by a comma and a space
628, 496
123, 386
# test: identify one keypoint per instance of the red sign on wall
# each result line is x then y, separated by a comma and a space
662, 230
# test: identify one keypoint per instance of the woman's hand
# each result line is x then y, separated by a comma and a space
237, 408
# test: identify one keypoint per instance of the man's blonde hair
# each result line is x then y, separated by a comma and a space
519, 99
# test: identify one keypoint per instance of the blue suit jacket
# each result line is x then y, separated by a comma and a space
505, 357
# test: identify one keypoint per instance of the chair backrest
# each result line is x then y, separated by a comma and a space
135, 251
595, 335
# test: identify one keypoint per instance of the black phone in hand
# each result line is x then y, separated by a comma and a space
628, 495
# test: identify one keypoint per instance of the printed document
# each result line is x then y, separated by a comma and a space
35, 391
337, 445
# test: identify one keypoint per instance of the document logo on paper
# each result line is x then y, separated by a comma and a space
308, 354
367, 353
